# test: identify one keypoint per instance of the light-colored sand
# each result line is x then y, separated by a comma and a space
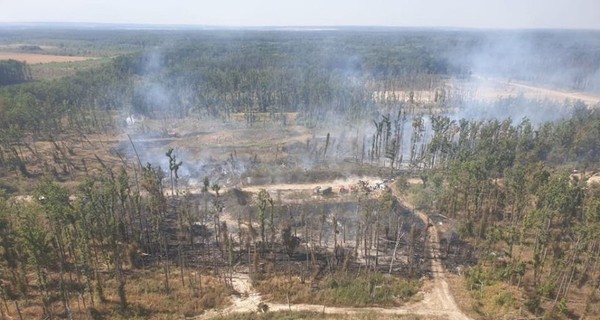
34, 58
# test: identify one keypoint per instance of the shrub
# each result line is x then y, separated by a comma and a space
344, 290
504, 299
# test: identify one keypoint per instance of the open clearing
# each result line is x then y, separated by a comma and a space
489, 89
34, 58
493, 88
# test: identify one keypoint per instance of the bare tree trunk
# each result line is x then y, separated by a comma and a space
399, 229
411, 249
377, 240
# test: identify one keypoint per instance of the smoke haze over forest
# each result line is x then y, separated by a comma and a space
192, 159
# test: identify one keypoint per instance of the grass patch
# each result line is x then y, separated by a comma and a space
499, 300
146, 299
493, 298
56, 70
342, 290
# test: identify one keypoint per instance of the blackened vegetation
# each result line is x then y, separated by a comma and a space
311, 241
13, 72
324, 238
456, 254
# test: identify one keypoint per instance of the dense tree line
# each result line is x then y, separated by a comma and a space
512, 188
62, 248
216, 76
317, 73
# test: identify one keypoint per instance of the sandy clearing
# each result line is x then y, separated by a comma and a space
273, 188
335, 184
595, 179
481, 88
492, 88
34, 58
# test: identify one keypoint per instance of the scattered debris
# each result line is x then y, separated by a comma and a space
327, 191
263, 307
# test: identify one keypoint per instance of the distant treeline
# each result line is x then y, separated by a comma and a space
217, 76
560, 58
216, 73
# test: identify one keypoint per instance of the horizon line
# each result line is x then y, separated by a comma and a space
180, 26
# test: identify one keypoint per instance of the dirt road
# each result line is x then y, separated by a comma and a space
433, 304
437, 300
439, 295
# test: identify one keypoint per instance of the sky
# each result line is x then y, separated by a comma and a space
492, 14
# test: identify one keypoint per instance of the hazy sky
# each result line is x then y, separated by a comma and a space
419, 13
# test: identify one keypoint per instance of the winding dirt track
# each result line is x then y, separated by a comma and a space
437, 299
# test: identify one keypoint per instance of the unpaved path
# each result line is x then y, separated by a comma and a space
335, 184
248, 299
437, 300
438, 296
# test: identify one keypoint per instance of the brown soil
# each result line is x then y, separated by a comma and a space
34, 58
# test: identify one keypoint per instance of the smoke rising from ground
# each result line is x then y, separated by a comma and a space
476, 85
